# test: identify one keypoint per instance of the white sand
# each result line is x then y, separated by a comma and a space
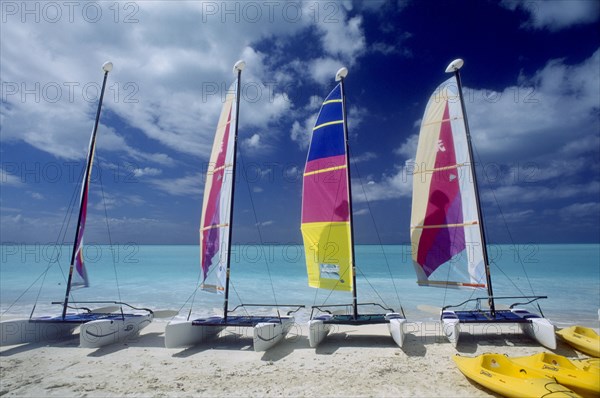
351, 362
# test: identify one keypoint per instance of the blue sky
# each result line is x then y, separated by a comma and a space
531, 76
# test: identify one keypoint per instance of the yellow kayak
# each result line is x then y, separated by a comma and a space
584, 381
583, 339
585, 364
501, 375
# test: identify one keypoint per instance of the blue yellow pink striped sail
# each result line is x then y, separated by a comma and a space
445, 235
325, 202
216, 206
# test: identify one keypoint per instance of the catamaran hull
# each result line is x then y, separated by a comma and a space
319, 327
102, 332
21, 331
539, 329
267, 334
181, 334
396, 327
451, 328
542, 330
317, 330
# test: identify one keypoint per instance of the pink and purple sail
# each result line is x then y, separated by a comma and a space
216, 207
445, 232
80, 278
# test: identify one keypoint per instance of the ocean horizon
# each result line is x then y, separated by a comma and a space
166, 277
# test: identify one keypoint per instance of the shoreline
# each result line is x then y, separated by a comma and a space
352, 361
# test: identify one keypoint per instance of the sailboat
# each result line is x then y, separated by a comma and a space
327, 222
447, 230
216, 227
99, 326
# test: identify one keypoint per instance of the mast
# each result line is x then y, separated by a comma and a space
454, 67
238, 67
340, 76
106, 67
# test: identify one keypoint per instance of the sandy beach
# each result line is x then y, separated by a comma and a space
352, 361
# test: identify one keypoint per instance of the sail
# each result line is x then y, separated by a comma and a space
445, 229
80, 278
325, 201
216, 207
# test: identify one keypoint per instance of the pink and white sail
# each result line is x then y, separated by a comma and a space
445, 229
216, 207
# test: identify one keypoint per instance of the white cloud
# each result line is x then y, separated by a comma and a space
516, 216
383, 48
556, 14
323, 70
163, 82
344, 40
302, 132
146, 171
531, 193
364, 157
581, 211
36, 195
105, 200
314, 103
360, 212
253, 142
409, 148
166, 83
393, 186
553, 108
183, 186
9, 179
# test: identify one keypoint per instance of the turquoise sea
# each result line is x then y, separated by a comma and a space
165, 277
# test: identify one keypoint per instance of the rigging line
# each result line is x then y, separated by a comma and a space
372, 287
112, 255
187, 300
377, 233
507, 229
446, 286
258, 230
70, 214
193, 297
43, 273
510, 280
238, 296
62, 231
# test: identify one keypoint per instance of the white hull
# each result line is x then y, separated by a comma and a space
103, 332
542, 330
539, 329
396, 326
181, 334
317, 330
451, 329
22, 331
267, 334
